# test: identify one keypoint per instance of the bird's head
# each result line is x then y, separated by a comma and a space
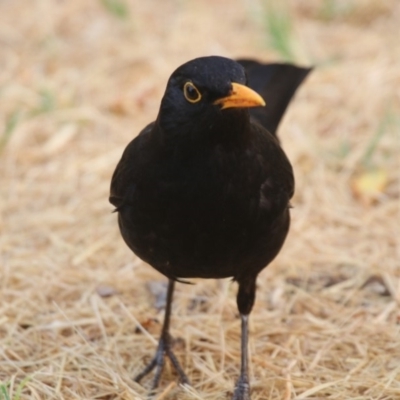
206, 95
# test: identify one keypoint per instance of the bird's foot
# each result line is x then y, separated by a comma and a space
157, 363
242, 390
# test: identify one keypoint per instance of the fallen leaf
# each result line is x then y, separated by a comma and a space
368, 186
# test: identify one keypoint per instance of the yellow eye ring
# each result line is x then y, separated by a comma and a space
191, 93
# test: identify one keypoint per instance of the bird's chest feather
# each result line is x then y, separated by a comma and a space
202, 210
213, 194
205, 213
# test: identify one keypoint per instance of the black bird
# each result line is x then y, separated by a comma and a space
204, 190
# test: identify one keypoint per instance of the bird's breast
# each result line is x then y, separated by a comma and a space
202, 217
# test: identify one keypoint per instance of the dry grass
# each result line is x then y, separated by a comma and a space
77, 82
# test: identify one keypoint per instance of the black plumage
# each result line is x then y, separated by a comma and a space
204, 190
276, 83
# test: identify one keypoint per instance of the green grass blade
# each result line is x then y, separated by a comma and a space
279, 28
21, 387
3, 393
11, 124
116, 7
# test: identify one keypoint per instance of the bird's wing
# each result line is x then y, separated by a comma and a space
123, 181
276, 83
278, 184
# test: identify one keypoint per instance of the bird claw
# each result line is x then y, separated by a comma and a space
242, 390
164, 349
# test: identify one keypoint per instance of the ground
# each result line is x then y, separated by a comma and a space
80, 314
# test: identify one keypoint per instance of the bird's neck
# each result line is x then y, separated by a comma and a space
231, 128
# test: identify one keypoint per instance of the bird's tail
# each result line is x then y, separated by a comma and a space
276, 83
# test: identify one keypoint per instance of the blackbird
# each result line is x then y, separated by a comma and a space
204, 190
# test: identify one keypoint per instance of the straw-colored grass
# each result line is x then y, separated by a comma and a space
78, 80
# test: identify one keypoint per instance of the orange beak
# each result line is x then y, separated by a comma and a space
241, 96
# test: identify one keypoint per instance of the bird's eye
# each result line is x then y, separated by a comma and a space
191, 93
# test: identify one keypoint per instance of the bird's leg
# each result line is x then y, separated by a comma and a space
245, 301
164, 348
242, 389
